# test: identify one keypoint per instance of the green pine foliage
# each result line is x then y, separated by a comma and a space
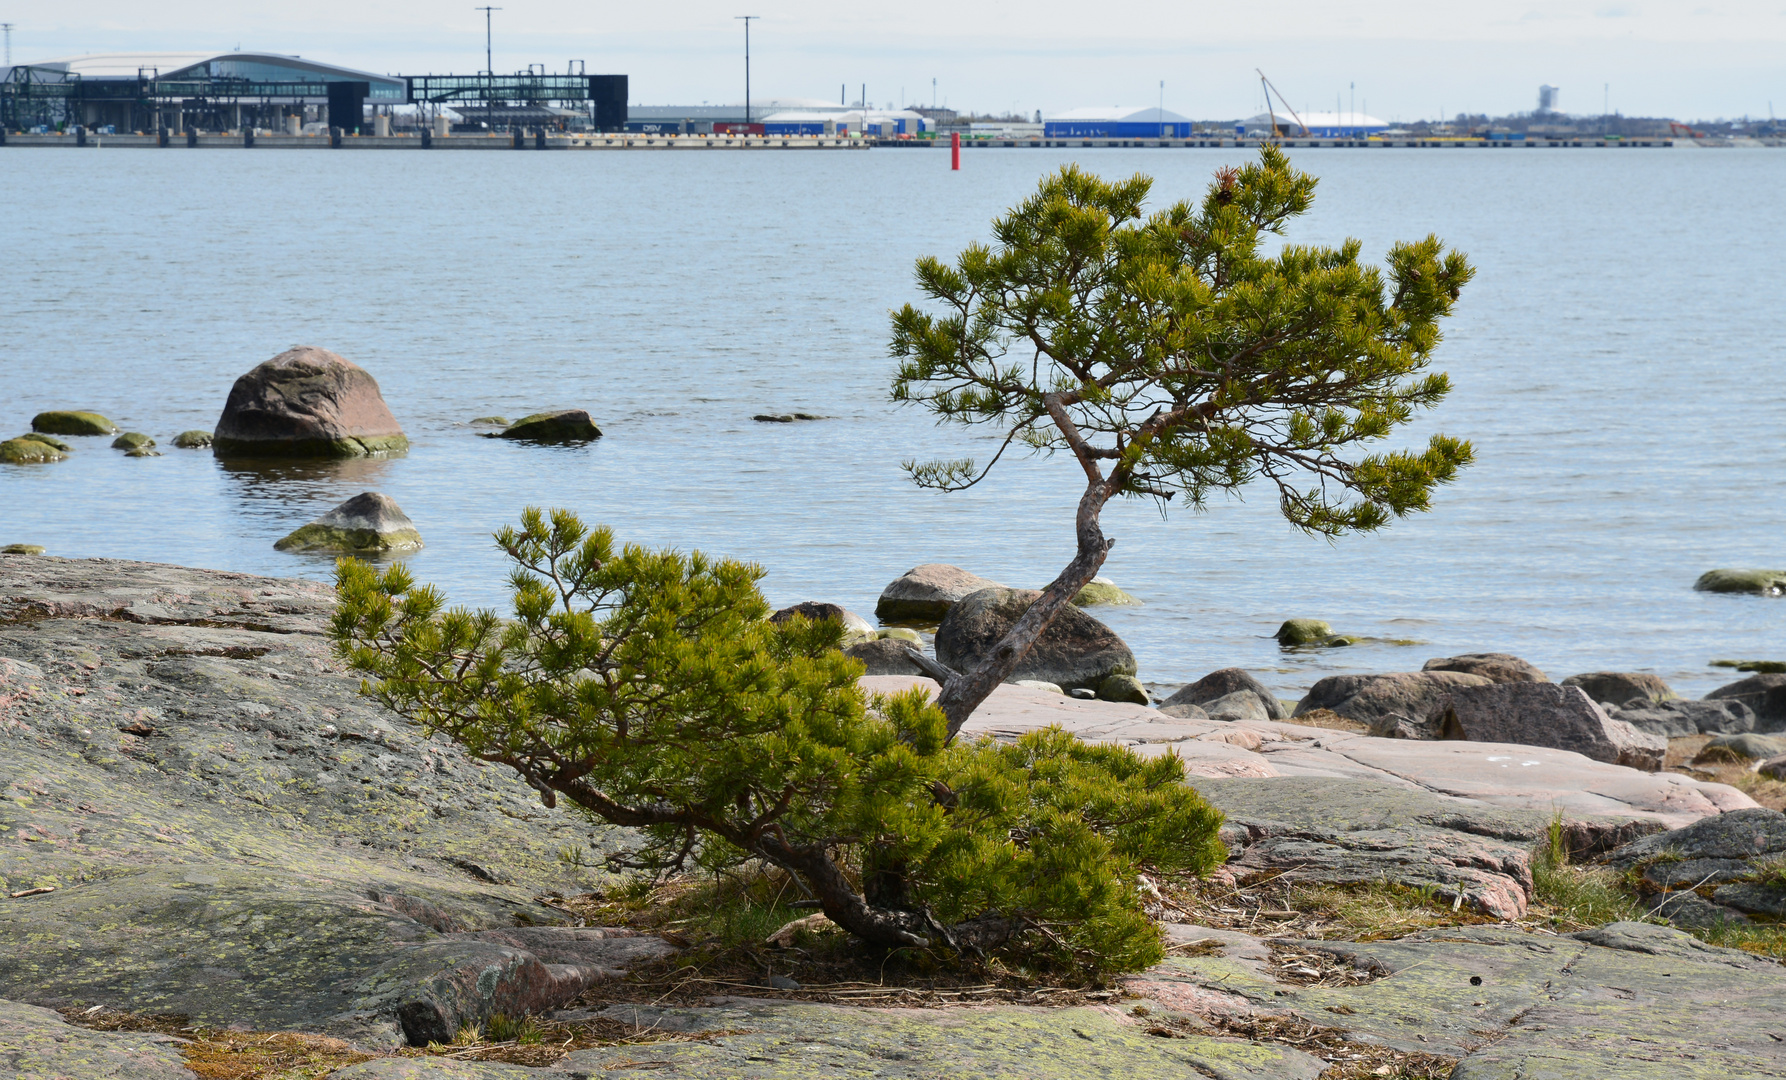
649, 689
1179, 351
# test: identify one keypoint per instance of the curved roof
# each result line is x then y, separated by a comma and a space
1118, 114
1322, 121
256, 65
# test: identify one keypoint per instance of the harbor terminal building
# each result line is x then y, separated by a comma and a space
1116, 122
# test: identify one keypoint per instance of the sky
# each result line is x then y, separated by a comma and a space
1397, 59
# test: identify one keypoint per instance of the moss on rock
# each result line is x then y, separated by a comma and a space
132, 440
1755, 582
47, 440
1296, 632
564, 425
192, 440
22, 549
1101, 590
318, 537
72, 422
28, 452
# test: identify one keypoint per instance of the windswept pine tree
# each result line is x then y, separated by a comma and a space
1176, 354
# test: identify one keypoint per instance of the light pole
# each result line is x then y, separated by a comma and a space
747, 19
489, 67
1162, 113
7, 27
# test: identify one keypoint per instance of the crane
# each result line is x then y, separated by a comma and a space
1270, 113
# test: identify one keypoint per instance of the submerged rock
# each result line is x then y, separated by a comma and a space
47, 440
1296, 632
367, 522
925, 593
786, 418
192, 440
29, 452
307, 402
1223, 683
562, 426
1755, 582
490, 421
132, 440
1101, 590
1545, 714
22, 549
1075, 652
72, 422
1622, 687
1494, 666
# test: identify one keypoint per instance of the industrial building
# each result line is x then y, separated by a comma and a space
1116, 122
878, 123
1314, 125
209, 91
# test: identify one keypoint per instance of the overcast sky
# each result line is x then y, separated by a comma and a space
1408, 59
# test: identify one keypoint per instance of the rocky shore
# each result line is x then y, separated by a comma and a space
201, 816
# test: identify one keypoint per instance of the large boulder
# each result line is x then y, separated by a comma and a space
1756, 582
306, 402
1219, 684
1545, 714
1747, 746
925, 593
1296, 632
1676, 719
72, 422
558, 426
367, 522
1075, 652
1622, 687
1383, 700
1494, 666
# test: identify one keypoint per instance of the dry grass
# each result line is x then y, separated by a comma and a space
1347, 1058
1739, 773
1327, 718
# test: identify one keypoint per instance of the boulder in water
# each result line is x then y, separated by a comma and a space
1101, 590
22, 549
135, 444
307, 402
561, 426
1756, 582
925, 593
1076, 652
1296, 632
47, 440
813, 611
367, 522
1494, 666
192, 440
72, 422
23, 451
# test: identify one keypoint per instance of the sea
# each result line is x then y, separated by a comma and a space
1617, 364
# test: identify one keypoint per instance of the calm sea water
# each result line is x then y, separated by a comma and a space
1618, 364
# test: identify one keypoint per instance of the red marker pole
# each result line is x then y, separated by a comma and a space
955, 150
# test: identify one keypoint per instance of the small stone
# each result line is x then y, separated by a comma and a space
1224, 683
22, 549
782, 982
29, 452
1295, 632
561, 426
366, 522
47, 440
1123, 688
1083, 693
132, 440
1754, 582
1746, 747
491, 421
72, 423
192, 440
143, 451
1038, 684
1184, 712
1774, 768
786, 418
900, 633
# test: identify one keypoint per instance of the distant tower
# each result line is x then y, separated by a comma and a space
1548, 96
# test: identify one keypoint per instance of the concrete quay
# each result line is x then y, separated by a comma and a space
530, 141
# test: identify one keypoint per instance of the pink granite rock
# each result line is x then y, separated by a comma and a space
1546, 714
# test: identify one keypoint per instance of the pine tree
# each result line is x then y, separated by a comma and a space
1174, 354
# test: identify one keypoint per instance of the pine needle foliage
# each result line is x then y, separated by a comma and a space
649, 689
1181, 352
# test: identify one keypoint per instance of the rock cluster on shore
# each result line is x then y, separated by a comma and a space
204, 817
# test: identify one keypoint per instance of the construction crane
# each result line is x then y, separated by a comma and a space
1271, 113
